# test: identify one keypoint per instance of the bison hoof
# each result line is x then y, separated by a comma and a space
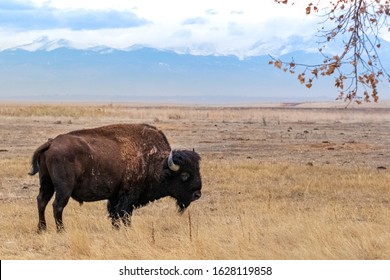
41, 228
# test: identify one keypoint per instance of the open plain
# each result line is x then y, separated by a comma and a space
280, 181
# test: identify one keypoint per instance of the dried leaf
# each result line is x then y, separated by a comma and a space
330, 70
315, 72
338, 83
366, 97
301, 78
278, 64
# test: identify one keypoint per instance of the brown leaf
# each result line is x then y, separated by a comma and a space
331, 69
308, 10
339, 83
301, 78
278, 64
366, 97
315, 72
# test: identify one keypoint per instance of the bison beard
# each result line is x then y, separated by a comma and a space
129, 165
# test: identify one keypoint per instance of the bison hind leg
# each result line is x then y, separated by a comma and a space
46, 192
63, 193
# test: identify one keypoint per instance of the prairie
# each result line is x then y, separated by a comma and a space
280, 181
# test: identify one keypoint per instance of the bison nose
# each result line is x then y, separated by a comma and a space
196, 195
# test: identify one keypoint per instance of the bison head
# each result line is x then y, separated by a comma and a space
184, 182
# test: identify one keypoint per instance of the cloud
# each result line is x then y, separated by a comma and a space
236, 12
84, 19
194, 21
211, 12
26, 16
235, 29
182, 34
9, 5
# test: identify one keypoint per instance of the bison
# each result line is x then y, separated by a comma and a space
130, 165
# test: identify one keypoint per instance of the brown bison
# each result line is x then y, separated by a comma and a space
127, 164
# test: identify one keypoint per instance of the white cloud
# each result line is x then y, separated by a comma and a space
221, 27
44, 19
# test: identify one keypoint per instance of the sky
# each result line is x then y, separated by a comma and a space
219, 27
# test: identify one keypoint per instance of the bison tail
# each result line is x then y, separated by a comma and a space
35, 158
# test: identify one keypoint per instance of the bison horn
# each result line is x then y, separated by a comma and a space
171, 164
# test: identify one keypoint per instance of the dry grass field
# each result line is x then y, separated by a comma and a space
282, 181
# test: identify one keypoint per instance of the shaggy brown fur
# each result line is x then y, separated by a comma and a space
124, 163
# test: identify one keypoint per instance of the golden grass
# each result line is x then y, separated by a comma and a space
249, 210
157, 113
14, 166
51, 110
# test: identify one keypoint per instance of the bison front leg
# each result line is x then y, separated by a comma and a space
126, 217
112, 208
119, 210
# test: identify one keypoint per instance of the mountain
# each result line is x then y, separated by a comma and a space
57, 71
44, 44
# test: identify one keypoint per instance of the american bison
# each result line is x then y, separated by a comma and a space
130, 165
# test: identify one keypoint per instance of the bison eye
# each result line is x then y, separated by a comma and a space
184, 176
